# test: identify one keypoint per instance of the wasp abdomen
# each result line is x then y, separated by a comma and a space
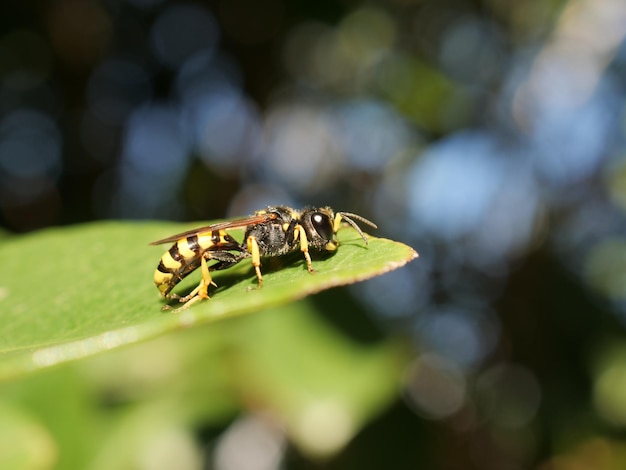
186, 254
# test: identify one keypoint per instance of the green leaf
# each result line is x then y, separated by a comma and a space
67, 293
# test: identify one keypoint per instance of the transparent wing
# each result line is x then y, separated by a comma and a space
229, 224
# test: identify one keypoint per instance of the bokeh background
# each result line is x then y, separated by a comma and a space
487, 134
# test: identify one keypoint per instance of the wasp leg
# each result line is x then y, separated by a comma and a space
200, 292
225, 260
337, 222
304, 247
255, 253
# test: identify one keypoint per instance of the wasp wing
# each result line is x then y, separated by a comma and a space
229, 224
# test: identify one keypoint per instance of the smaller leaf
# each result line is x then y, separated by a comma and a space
320, 386
24, 442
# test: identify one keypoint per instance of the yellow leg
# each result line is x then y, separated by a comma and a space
337, 222
304, 248
253, 249
199, 293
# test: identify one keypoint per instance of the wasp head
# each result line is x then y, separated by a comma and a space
321, 226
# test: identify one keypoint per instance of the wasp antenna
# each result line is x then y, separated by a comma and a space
359, 218
348, 216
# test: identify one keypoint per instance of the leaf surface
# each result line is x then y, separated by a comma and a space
67, 293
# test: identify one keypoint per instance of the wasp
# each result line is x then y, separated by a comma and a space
271, 232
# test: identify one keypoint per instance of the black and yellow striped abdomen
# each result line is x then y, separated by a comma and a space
186, 254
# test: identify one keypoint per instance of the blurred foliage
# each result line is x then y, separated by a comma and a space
489, 135
140, 407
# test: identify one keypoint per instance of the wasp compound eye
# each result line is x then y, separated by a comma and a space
322, 225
